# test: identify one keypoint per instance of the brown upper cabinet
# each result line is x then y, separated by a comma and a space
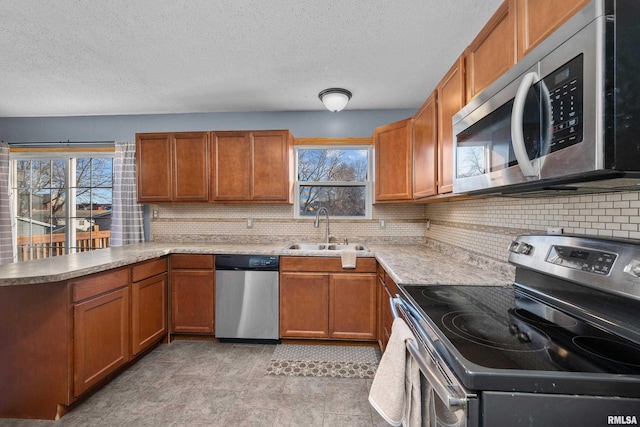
537, 19
493, 51
393, 161
172, 167
451, 98
251, 166
425, 149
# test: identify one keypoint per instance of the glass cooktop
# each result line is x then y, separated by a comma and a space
504, 328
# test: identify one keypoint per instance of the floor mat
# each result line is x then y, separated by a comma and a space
324, 361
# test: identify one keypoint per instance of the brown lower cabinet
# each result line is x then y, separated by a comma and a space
148, 304
64, 339
352, 306
319, 299
304, 305
101, 338
192, 294
386, 289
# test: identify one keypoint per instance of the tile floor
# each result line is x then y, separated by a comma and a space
196, 383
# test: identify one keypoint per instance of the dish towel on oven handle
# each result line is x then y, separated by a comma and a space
395, 392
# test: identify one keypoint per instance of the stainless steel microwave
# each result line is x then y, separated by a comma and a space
565, 118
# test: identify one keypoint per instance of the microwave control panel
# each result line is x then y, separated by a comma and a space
565, 86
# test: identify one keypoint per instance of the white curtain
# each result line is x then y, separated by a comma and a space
7, 219
127, 219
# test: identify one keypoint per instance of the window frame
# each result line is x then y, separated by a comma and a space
368, 184
53, 154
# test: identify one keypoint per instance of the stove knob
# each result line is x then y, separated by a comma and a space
523, 337
525, 249
513, 329
633, 268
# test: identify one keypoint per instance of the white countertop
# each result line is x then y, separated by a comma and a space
432, 263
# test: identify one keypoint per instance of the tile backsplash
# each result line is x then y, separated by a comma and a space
484, 226
229, 222
488, 225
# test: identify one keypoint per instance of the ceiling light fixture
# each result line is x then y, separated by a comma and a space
335, 99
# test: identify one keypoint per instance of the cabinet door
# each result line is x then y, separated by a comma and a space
270, 164
192, 293
393, 174
493, 51
451, 98
386, 317
231, 163
101, 338
352, 306
425, 149
153, 157
537, 19
190, 167
148, 312
304, 305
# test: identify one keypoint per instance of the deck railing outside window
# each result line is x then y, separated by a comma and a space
49, 245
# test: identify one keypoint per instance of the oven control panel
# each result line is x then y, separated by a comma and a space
581, 259
612, 266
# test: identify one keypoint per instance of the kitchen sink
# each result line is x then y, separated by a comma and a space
356, 247
307, 246
326, 247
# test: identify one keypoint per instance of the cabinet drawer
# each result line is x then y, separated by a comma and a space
99, 283
391, 284
147, 269
192, 261
326, 265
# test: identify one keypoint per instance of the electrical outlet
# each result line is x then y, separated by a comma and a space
383, 223
554, 230
249, 222
428, 224
155, 213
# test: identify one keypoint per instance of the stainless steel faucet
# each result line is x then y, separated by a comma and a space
316, 223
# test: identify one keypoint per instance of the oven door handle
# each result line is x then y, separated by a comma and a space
441, 388
397, 301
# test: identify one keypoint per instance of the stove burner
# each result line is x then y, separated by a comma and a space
487, 330
565, 322
609, 349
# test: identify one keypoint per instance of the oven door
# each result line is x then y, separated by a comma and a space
444, 399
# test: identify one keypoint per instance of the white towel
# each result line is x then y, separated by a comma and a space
395, 391
348, 258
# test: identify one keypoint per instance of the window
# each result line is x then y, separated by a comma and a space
62, 202
336, 177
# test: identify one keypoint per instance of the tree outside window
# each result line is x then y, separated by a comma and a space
62, 205
335, 177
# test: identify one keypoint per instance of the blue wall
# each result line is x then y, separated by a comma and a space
307, 124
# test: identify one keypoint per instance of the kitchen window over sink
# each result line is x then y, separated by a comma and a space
337, 177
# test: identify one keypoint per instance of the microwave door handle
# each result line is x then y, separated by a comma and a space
517, 133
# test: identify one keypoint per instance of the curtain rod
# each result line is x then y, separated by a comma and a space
51, 144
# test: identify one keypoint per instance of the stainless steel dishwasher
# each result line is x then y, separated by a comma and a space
247, 292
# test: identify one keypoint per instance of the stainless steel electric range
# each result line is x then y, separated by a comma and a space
561, 346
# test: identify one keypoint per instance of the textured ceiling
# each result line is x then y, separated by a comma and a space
95, 57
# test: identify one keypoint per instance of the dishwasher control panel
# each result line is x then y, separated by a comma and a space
247, 262
263, 261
